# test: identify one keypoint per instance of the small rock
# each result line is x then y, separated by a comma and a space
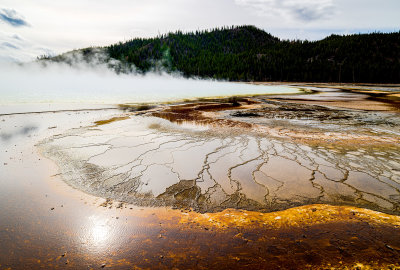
120, 205
389, 247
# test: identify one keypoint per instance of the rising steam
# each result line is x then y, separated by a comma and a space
75, 78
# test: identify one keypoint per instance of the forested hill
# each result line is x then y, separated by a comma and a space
250, 54
247, 53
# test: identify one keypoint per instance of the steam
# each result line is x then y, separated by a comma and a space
92, 79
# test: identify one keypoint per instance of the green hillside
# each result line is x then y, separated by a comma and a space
247, 53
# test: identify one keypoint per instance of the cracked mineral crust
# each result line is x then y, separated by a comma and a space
263, 155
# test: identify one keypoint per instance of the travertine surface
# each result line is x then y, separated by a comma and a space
279, 155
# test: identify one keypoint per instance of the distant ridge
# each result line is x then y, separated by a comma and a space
246, 53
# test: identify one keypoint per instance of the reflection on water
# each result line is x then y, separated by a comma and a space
21, 131
98, 234
46, 224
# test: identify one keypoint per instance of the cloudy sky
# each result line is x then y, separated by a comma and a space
31, 28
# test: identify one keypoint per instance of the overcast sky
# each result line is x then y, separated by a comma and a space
31, 28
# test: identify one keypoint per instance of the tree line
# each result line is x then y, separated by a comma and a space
246, 53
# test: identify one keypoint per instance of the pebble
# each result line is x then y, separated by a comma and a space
389, 247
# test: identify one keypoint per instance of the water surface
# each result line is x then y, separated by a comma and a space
270, 156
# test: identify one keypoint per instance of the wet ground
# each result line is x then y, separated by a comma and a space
255, 154
197, 185
126, 237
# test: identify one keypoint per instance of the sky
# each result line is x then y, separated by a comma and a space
47, 27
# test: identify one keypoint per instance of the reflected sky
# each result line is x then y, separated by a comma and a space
97, 235
45, 222
6, 136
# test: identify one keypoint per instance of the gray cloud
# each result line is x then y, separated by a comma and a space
9, 45
11, 17
14, 48
15, 36
301, 10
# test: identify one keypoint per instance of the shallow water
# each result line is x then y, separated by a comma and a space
264, 165
152, 162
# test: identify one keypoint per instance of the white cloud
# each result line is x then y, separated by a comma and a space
65, 25
14, 48
300, 10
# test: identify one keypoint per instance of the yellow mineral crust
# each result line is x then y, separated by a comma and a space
308, 215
